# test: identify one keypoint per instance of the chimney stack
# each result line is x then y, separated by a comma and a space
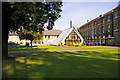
70, 24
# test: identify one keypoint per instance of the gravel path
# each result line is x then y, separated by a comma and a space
57, 51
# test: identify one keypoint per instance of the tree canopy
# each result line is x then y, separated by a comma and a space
31, 14
28, 15
31, 35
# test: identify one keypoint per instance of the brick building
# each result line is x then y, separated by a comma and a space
103, 30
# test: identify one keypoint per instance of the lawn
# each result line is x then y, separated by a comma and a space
70, 64
56, 48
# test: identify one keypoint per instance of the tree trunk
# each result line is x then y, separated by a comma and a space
5, 29
31, 43
4, 44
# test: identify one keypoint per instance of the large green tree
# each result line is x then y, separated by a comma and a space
31, 35
27, 15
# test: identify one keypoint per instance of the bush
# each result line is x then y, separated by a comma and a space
80, 43
69, 43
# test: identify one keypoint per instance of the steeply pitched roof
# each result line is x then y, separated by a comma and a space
52, 32
64, 34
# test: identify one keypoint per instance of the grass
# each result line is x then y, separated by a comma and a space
70, 64
48, 47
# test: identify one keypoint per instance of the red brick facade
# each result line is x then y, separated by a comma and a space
103, 30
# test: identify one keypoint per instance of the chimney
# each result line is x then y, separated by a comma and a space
70, 24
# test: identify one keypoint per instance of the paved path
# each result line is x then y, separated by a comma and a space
53, 50
27, 51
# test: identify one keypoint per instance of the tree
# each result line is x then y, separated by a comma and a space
31, 35
27, 15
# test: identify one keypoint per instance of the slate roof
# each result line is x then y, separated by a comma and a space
52, 32
64, 34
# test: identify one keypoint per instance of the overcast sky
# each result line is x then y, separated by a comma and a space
81, 12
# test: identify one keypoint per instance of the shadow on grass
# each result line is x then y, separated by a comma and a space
24, 48
79, 64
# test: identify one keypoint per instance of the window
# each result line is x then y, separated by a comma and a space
102, 29
116, 26
103, 20
95, 31
92, 24
98, 40
92, 41
103, 41
69, 37
88, 32
89, 26
95, 23
98, 21
92, 32
98, 30
75, 36
116, 13
108, 28
45, 36
95, 41
108, 18
48, 36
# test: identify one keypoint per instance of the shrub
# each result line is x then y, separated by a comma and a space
80, 43
69, 43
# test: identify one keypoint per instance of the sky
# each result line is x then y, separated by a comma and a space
81, 12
